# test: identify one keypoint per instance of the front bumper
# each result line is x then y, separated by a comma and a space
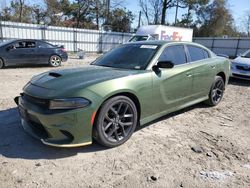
71, 128
241, 74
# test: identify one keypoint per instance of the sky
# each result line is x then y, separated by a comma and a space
237, 7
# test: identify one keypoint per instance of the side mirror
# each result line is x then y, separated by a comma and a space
165, 64
9, 48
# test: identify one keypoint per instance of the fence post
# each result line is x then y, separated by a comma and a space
1, 31
212, 47
75, 39
100, 42
43, 32
122, 37
237, 47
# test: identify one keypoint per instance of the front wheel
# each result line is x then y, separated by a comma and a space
116, 121
55, 61
216, 92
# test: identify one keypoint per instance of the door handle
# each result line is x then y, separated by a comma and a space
212, 66
189, 75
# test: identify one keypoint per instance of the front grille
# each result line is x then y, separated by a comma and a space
43, 103
245, 68
242, 76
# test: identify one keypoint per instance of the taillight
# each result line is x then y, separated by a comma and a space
63, 50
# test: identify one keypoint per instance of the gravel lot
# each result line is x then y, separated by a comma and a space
196, 147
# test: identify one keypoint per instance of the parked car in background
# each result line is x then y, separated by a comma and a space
31, 52
240, 66
131, 85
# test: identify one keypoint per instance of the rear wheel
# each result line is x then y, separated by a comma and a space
55, 61
1, 64
116, 121
216, 91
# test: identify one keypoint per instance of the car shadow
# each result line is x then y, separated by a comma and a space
16, 143
239, 82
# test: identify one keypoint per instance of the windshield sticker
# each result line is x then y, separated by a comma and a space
149, 46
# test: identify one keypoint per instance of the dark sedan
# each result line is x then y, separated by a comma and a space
29, 52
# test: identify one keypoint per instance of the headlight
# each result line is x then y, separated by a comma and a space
70, 103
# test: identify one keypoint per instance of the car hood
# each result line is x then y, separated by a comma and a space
79, 77
242, 60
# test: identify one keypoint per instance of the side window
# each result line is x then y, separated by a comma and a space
30, 44
20, 44
206, 54
176, 54
197, 53
24, 44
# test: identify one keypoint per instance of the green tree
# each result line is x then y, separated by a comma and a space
120, 20
56, 10
18, 11
192, 6
215, 19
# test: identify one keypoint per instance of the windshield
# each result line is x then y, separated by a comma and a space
6, 42
246, 54
129, 56
138, 38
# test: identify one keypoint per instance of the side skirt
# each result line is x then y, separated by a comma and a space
158, 115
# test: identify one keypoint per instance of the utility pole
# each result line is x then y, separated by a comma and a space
139, 22
248, 26
163, 15
176, 12
107, 13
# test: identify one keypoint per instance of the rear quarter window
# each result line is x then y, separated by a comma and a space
197, 53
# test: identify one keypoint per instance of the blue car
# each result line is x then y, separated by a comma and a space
31, 52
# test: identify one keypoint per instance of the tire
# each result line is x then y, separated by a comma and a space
1, 64
55, 61
216, 92
116, 121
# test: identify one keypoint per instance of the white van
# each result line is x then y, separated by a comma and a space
161, 32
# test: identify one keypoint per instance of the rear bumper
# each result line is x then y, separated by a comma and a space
64, 57
67, 129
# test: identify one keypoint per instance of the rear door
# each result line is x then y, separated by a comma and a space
44, 51
172, 87
203, 70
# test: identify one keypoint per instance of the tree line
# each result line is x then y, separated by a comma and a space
88, 14
207, 17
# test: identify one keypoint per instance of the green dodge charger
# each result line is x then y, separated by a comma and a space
131, 85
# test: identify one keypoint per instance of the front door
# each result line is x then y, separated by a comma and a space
22, 52
172, 87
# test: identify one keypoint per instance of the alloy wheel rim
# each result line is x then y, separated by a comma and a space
118, 121
55, 60
217, 91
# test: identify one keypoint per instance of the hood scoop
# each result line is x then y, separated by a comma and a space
54, 74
